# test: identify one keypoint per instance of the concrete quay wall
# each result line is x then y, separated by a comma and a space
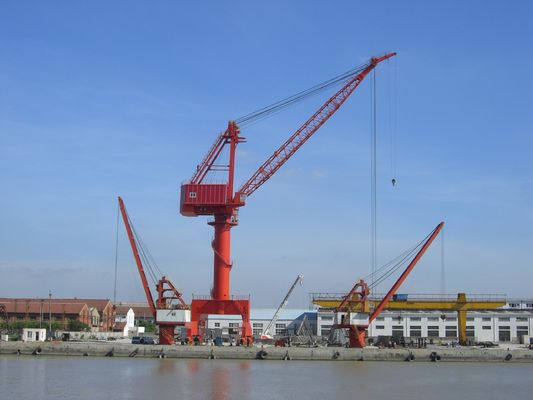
95, 349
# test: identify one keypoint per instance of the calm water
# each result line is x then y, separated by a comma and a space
104, 378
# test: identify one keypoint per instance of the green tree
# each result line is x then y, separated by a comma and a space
76, 326
148, 326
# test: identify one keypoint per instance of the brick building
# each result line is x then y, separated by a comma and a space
97, 313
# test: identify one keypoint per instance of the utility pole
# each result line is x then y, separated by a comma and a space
50, 313
41, 315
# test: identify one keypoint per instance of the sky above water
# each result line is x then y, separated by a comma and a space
100, 99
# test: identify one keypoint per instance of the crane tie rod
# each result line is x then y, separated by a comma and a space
288, 101
397, 262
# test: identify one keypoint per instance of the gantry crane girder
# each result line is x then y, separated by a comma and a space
461, 305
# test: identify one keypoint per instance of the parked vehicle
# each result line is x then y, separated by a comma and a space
136, 340
147, 340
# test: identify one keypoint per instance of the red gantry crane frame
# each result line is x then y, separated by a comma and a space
219, 200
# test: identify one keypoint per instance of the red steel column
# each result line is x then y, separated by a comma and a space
222, 260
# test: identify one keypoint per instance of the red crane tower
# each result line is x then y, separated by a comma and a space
220, 201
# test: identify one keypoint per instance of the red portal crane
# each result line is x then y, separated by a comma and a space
166, 312
220, 201
358, 322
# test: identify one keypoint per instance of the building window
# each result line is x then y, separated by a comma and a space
514, 305
433, 318
380, 326
504, 319
217, 324
451, 319
281, 329
380, 319
486, 327
397, 331
257, 325
433, 331
326, 317
257, 332
529, 305
486, 319
470, 331
505, 333
233, 328
415, 331
416, 319
521, 331
471, 319
30, 334
451, 331
521, 319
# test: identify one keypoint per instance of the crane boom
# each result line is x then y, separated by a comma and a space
287, 149
137, 257
267, 331
220, 201
402, 277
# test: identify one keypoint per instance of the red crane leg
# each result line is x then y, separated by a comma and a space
201, 308
166, 334
222, 260
357, 336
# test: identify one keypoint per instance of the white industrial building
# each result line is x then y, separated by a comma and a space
508, 324
288, 322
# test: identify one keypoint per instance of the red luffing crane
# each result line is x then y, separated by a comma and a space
220, 201
358, 298
169, 310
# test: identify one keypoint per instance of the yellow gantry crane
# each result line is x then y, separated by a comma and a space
402, 302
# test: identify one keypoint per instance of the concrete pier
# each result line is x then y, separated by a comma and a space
96, 349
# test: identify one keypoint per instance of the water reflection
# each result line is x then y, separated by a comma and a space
219, 380
89, 378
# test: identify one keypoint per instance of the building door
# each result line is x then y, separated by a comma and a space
504, 333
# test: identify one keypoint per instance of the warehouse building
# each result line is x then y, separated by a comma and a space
509, 324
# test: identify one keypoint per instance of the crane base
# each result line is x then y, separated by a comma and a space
200, 308
166, 334
356, 334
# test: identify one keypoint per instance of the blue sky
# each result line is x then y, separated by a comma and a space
101, 99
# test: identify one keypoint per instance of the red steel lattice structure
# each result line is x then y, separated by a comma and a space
219, 200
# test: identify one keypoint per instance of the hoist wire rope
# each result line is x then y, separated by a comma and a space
143, 254
373, 176
393, 262
116, 258
395, 268
442, 264
152, 262
281, 104
399, 261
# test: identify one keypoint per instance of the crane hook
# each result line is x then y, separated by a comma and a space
393, 182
